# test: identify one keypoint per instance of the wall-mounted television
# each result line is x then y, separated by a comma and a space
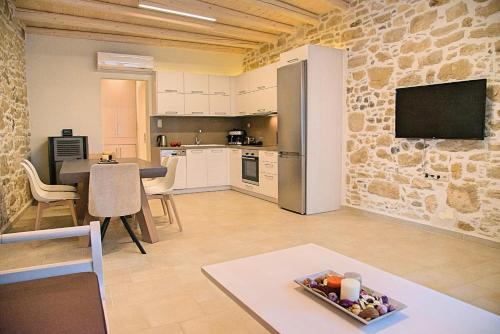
444, 111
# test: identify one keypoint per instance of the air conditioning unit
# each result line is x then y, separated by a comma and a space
123, 62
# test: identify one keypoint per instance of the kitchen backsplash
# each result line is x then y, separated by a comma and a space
214, 129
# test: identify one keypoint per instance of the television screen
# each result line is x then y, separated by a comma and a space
446, 111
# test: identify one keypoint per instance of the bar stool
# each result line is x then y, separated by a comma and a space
114, 191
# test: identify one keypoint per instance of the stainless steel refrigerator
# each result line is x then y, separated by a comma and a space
292, 112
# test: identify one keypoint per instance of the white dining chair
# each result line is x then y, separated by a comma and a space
162, 188
48, 199
115, 191
47, 187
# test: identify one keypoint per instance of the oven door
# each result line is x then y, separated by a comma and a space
250, 169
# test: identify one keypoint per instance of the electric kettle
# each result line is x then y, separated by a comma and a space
161, 141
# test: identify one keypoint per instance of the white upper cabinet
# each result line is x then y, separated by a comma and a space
195, 83
263, 77
196, 105
293, 56
170, 104
220, 105
264, 101
242, 83
219, 85
170, 82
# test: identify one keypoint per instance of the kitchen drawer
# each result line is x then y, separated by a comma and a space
251, 187
268, 167
268, 185
268, 156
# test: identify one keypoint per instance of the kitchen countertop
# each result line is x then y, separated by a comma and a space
243, 147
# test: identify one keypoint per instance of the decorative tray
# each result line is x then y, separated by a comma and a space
391, 305
107, 162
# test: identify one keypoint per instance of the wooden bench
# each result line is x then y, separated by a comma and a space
64, 297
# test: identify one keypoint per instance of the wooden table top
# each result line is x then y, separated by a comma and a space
74, 171
263, 285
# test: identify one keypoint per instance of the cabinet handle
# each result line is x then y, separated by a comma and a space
269, 165
269, 177
196, 91
171, 90
261, 87
263, 109
292, 60
197, 112
220, 93
242, 92
197, 151
171, 112
220, 113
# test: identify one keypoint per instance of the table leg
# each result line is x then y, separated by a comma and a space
82, 203
145, 219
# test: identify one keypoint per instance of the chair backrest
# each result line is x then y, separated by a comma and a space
38, 193
35, 173
169, 179
114, 190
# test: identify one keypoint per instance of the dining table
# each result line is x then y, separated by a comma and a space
78, 172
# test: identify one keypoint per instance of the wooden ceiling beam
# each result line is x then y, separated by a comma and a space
340, 4
226, 15
120, 13
133, 39
69, 22
288, 10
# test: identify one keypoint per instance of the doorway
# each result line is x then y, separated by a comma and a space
124, 118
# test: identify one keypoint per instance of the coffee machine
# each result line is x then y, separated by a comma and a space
236, 137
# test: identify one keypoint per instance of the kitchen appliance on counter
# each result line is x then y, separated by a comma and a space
250, 166
161, 141
309, 129
236, 137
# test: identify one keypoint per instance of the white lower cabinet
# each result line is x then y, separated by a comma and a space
268, 185
196, 168
235, 166
216, 167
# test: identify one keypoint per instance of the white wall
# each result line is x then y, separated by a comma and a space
64, 85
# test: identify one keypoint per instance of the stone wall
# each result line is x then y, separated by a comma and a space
14, 117
391, 44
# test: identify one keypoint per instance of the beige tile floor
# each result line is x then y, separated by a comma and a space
165, 292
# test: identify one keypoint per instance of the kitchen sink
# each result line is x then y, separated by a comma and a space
203, 145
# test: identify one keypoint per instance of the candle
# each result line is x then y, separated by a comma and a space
349, 289
353, 275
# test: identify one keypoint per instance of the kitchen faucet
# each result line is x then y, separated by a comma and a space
197, 138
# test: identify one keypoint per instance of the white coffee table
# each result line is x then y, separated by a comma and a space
263, 285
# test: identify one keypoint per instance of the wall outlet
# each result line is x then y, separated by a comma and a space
159, 123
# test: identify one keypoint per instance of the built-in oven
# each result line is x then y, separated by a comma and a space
250, 166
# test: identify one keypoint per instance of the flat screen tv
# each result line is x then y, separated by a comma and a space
444, 111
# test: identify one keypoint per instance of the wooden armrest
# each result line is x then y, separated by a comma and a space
61, 268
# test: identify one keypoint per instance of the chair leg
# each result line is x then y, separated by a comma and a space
132, 235
171, 199
39, 214
104, 227
164, 206
71, 205
170, 217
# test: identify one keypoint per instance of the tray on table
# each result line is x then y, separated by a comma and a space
398, 306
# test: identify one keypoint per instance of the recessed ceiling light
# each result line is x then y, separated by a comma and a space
160, 8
